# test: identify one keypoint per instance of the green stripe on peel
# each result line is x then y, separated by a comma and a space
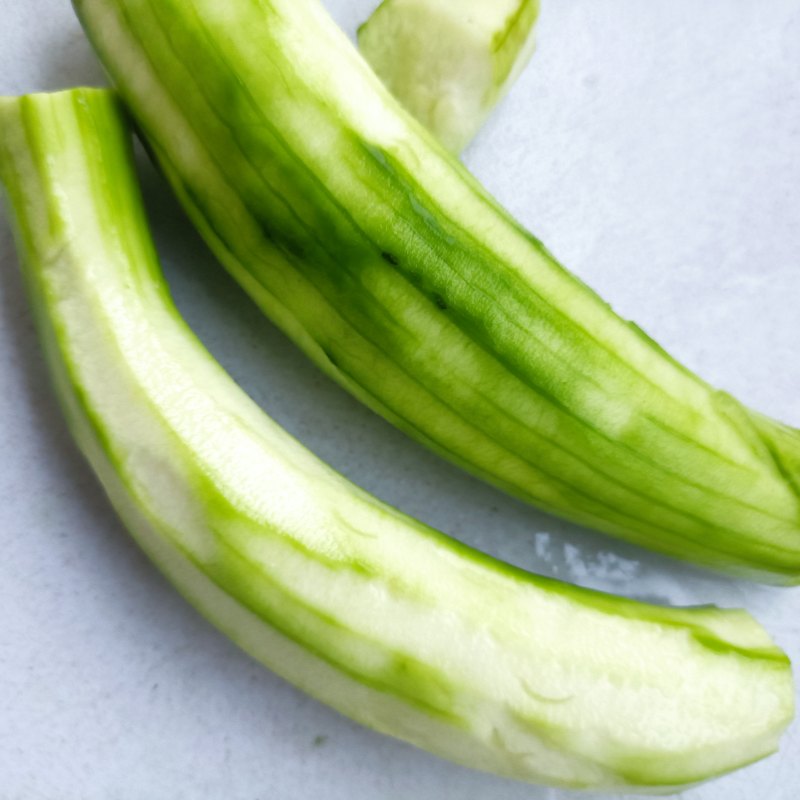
394, 270
370, 611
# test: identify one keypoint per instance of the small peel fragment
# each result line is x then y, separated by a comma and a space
450, 63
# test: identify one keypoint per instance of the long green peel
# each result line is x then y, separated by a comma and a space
372, 612
391, 267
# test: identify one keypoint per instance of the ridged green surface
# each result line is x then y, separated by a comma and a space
370, 611
394, 270
450, 63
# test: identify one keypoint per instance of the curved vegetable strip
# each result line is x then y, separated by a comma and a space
368, 610
395, 271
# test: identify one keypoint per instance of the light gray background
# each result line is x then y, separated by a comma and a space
654, 147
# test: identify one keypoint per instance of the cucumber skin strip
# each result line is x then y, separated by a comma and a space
146, 403
441, 91
351, 228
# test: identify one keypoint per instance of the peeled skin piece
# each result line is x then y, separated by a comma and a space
450, 63
366, 609
390, 266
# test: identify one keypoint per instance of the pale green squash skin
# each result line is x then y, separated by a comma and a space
449, 63
368, 610
389, 265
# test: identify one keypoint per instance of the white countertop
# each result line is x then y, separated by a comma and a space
654, 148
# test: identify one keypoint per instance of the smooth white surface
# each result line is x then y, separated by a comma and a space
654, 147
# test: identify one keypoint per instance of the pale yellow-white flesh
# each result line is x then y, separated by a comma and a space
449, 63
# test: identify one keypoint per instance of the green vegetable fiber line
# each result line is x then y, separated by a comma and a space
394, 270
381, 617
528, 10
